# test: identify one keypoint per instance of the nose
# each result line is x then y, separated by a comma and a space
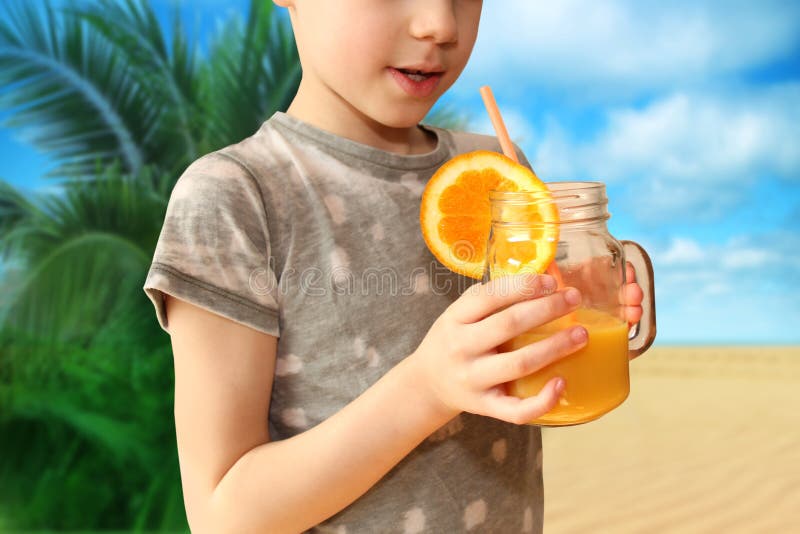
434, 20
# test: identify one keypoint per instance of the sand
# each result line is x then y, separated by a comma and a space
707, 441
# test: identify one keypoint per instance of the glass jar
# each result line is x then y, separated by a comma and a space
590, 259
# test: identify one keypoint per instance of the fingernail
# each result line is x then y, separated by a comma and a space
572, 296
579, 334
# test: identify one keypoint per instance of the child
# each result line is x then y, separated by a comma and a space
327, 374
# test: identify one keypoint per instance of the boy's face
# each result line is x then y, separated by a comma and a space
386, 60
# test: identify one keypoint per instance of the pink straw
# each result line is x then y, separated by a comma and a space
498, 124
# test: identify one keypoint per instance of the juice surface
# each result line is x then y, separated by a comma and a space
596, 376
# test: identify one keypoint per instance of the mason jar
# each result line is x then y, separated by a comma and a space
590, 259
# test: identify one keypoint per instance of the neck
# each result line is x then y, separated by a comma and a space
341, 118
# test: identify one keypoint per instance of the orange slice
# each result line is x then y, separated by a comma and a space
455, 216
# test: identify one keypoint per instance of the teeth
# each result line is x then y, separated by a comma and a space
416, 75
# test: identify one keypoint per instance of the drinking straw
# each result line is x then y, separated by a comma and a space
508, 150
498, 124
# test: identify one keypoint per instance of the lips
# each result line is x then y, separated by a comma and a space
418, 83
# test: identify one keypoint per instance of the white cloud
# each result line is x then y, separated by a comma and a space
518, 125
742, 289
682, 251
595, 47
748, 258
697, 137
717, 288
737, 315
685, 255
650, 96
689, 155
553, 155
659, 100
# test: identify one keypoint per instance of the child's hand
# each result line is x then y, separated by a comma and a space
598, 287
459, 363
631, 296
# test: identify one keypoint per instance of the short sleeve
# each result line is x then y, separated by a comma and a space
214, 248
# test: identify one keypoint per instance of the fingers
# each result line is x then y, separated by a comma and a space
520, 411
481, 300
633, 314
630, 273
521, 317
508, 366
631, 296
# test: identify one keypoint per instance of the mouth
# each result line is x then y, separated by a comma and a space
418, 75
418, 83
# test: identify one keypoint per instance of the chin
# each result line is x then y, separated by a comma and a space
403, 116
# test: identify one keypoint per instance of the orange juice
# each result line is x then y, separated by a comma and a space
596, 376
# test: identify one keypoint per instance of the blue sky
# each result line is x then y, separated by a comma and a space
689, 111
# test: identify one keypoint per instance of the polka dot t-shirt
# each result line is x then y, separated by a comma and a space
315, 239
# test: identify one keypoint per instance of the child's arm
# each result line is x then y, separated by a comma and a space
236, 480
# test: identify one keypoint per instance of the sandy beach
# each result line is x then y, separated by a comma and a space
708, 441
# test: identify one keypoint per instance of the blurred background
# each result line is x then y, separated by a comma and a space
689, 111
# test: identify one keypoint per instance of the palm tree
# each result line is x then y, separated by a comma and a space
85, 374
99, 91
121, 106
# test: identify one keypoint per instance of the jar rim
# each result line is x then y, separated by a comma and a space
556, 189
576, 201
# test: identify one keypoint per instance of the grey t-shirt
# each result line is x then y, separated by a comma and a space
315, 239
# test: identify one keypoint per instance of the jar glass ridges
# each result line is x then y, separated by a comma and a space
586, 257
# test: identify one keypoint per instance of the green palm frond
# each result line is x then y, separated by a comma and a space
15, 211
74, 252
70, 93
168, 72
51, 297
446, 116
85, 371
253, 71
114, 434
86, 425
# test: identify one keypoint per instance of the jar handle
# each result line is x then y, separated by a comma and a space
643, 333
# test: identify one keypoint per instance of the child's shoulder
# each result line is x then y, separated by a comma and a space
250, 159
213, 176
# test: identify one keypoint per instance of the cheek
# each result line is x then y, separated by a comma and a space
468, 28
360, 59
465, 47
339, 45
339, 62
